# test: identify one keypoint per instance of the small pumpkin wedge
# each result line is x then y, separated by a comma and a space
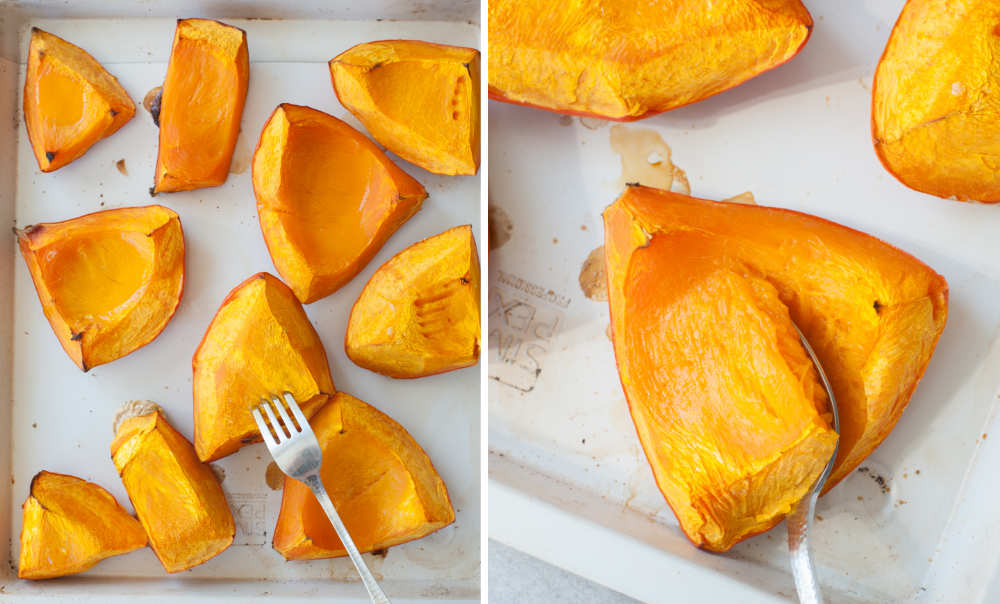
419, 99
419, 313
380, 480
201, 105
70, 101
327, 199
69, 525
109, 282
936, 100
628, 59
727, 405
177, 498
259, 343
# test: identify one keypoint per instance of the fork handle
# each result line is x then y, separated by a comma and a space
798, 523
374, 591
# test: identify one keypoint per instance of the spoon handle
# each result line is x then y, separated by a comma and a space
798, 523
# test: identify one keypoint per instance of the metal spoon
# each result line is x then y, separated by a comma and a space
800, 520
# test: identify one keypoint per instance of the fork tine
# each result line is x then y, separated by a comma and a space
291, 427
265, 430
281, 434
296, 411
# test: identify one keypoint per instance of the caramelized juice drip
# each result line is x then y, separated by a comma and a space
646, 159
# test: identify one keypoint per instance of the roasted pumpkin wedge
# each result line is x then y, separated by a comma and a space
108, 282
419, 313
420, 100
177, 497
260, 343
936, 100
628, 59
70, 101
69, 525
726, 403
327, 199
201, 105
380, 480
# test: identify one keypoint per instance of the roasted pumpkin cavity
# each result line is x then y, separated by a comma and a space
419, 313
70, 101
108, 282
420, 100
327, 199
381, 482
936, 99
177, 498
726, 402
627, 59
201, 105
259, 344
69, 525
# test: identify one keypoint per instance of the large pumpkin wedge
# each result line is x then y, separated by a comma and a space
327, 199
627, 59
725, 401
381, 482
420, 100
936, 99
419, 313
259, 344
109, 281
70, 101
69, 525
177, 498
201, 105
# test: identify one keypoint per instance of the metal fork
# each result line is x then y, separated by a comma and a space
294, 447
800, 520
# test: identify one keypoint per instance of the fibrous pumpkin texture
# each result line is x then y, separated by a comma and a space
936, 99
327, 199
259, 344
108, 282
177, 498
627, 59
381, 482
70, 101
704, 301
419, 313
69, 525
420, 100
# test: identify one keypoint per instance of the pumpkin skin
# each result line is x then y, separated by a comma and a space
725, 402
629, 59
935, 98
419, 99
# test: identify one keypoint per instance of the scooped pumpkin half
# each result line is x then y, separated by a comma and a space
201, 106
380, 480
419, 313
327, 199
178, 498
108, 282
259, 344
628, 59
936, 100
69, 525
726, 403
420, 100
70, 101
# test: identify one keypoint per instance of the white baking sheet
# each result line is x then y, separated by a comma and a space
568, 480
61, 418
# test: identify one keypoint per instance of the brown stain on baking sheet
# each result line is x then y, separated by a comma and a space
120, 164
274, 477
647, 159
746, 198
593, 278
152, 103
500, 227
241, 157
219, 471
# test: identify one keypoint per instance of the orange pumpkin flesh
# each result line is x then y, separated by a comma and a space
260, 343
201, 106
419, 313
327, 199
108, 282
420, 100
69, 525
725, 401
177, 498
380, 480
70, 101
935, 116
628, 59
